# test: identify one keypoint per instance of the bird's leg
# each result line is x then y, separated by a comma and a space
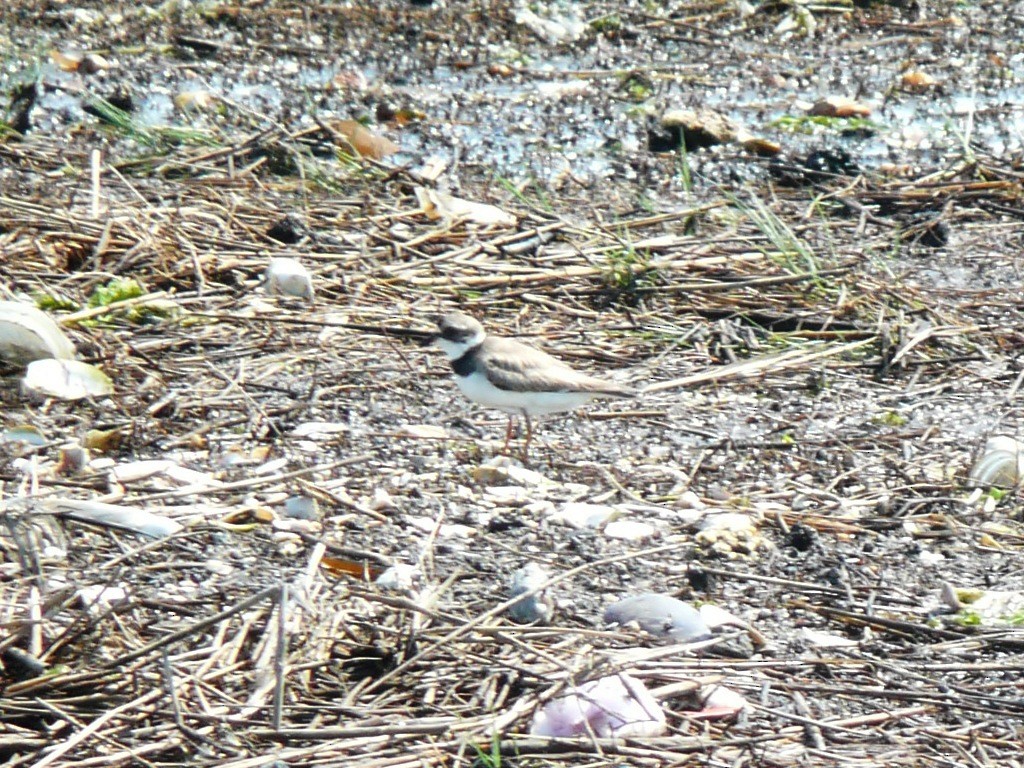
508, 434
529, 436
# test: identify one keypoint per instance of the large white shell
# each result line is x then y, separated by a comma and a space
66, 379
28, 334
1000, 465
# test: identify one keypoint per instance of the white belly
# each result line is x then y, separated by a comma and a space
477, 388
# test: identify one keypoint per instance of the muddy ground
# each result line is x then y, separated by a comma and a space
826, 325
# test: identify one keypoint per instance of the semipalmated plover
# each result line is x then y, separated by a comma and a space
513, 377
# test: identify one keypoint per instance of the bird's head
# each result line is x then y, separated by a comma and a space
457, 333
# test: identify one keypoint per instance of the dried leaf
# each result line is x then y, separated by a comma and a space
918, 81
198, 99
360, 570
245, 516
760, 146
69, 61
840, 106
437, 205
407, 115
104, 440
364, 141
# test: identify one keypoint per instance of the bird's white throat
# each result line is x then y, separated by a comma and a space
453, 350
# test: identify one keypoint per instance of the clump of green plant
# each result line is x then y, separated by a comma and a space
146, 135
488, 758
124, 289
789, 250
891, 419
531, 193
810, 124
627, 274
50, 302
968, 619
118, 289
638, 90
997, 494
607, 25
637, 86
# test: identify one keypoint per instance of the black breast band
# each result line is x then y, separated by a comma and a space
466, 365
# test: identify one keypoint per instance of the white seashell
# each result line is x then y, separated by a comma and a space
400, 577
720, 701
422, 431
629, 530
298, 526
66, 379
507, 495
382, 500
582, 514
1001, 464
818, 639
616, 706
28, 334
99, 598
140, 470
287, 277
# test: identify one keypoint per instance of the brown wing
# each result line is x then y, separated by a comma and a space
516, 367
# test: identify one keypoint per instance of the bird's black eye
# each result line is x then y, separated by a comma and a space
451, 333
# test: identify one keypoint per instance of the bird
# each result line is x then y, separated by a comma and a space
514, 377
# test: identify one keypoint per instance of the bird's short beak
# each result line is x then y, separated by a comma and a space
429, 341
